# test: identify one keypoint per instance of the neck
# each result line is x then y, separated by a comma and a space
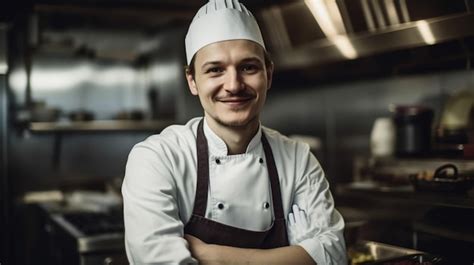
237, 138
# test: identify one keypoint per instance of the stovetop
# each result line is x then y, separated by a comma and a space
91, 223
93, 231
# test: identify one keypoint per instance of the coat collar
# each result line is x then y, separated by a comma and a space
217, 146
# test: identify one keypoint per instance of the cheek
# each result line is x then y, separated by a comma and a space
210, 87
259, 83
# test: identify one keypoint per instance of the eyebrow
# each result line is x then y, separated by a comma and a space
210, 63
252, 59
246, 60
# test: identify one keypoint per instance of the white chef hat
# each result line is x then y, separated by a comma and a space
221, 20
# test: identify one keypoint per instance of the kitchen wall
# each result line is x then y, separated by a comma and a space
343, 114
71, 82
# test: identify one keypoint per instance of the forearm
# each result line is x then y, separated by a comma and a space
236, 256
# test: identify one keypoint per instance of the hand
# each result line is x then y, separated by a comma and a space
200, 250
298, 226
196, 245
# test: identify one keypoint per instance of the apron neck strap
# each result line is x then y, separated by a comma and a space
274, 179
200, 200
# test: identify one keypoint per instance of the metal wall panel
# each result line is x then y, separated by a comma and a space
4, 184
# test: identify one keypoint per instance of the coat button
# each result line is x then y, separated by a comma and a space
220, 205
260, 160
266, 205
218, 161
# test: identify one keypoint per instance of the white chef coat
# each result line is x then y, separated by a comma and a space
160, 184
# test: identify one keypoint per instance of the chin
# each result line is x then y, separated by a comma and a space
236, 122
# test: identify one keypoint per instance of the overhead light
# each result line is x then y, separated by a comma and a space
344, 45
321, 14
332, 25
425, 32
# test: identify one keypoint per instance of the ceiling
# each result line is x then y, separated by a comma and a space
183, 4
129, 13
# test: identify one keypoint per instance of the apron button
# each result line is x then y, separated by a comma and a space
266, 205
260, 160
218, 161
220, 205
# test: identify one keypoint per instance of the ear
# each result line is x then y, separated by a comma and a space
191, 83
269, 75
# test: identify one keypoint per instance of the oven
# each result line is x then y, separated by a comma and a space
85, 238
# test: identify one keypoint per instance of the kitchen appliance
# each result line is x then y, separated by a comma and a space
455, 132
86, 238
76, 233
413, 130
457, 112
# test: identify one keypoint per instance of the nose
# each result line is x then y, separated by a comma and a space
233, 82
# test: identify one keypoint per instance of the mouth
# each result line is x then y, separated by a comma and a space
235, 101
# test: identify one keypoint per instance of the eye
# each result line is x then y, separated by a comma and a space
214, 70
250, 68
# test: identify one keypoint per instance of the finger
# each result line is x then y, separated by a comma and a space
303, 218
296, 213
192, 239
291, 218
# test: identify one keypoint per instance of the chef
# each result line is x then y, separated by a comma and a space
223, 188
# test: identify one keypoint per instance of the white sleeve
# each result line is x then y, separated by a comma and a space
153, 229
325, 243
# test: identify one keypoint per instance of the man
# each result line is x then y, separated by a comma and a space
217, 189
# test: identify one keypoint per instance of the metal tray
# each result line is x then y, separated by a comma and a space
369, 252
415, 259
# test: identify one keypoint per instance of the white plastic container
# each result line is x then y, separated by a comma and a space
382, 137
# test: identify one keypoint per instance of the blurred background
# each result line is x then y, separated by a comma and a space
382, 90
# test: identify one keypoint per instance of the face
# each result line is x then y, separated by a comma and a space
231, 80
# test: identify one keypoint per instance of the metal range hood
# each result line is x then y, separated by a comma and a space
309, 38
319, 33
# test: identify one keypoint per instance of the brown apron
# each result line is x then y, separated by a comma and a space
213, 232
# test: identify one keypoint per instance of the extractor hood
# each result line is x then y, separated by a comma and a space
320, 33
315, 39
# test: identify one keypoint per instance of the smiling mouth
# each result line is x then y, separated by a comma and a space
235, 100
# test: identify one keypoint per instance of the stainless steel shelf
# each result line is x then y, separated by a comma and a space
99, 126
404, 195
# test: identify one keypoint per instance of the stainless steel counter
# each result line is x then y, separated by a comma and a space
427, 221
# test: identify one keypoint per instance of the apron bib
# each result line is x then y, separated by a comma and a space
213, 232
